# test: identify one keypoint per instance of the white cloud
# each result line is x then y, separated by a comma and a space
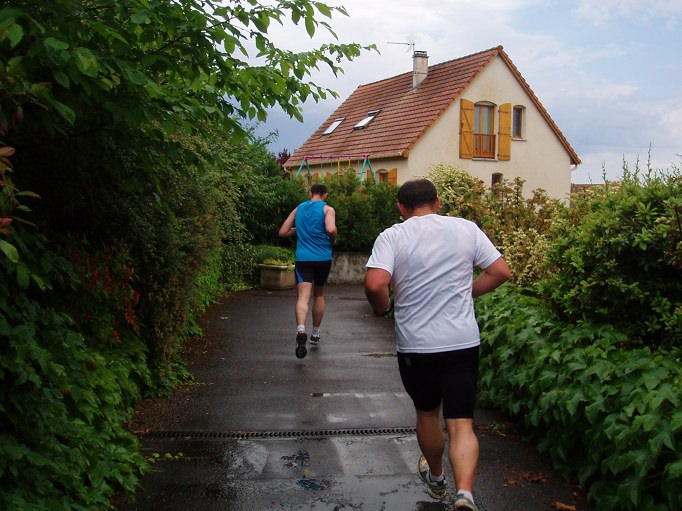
597, 84
587, 87
604, 11
672, 23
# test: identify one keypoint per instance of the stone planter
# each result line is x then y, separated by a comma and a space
275, 276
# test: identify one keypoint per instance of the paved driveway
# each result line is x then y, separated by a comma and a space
260, 429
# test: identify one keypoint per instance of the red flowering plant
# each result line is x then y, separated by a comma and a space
105, 309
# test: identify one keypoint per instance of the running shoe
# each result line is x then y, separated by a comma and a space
314, 340
301, 350
463, 503
437, 490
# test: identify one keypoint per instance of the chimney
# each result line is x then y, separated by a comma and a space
420, 68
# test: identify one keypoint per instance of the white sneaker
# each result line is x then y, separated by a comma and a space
463, 503
437, 490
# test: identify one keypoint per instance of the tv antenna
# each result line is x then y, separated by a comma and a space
409, 43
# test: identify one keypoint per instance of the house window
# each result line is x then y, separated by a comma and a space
496, 183
387, 176
484, 130
517, 122
364, 122
333, 126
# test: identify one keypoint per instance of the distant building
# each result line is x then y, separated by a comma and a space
475, 112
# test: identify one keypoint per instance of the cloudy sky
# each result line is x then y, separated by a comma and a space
609, 72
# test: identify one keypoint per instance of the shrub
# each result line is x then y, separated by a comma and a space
524, 250
363, 209
618, 264
519, 227
460, 193
265, 195
68, 387
610, 417
263, 253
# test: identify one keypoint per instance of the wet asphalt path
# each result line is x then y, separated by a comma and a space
259, 429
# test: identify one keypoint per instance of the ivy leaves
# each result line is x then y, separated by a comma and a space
608, 415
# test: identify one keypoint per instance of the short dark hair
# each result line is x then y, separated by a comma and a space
417, 192
318, 189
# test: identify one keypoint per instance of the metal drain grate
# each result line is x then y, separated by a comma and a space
279, 434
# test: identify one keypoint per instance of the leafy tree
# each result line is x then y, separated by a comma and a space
124, 116
283, 156
102, 98
153, 67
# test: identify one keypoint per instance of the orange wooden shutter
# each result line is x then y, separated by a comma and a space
393, 176
466, 129
504, 139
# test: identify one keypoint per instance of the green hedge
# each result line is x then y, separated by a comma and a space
611, 417
619, 259
66, 396
363, 209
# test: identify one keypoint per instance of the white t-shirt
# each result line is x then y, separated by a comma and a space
431, 260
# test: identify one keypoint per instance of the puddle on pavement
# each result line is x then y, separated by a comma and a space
300, 459
313, 484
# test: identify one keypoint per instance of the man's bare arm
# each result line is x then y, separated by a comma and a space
330, 222
376, 290
492, 277
288, 228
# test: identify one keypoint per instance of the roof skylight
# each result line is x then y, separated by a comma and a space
333, 126
364, 122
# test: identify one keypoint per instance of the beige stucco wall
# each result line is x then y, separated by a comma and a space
540, 158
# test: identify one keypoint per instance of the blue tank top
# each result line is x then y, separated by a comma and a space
313, 242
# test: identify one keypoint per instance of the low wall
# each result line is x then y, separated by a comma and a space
348, 268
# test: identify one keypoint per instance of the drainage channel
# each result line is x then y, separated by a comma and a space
188, 435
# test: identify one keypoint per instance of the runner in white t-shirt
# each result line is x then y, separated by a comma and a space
429, 262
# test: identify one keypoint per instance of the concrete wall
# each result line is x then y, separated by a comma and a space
348, 268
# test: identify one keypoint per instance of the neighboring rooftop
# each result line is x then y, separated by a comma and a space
404, 112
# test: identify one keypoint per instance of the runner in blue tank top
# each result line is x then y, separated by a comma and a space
314, 224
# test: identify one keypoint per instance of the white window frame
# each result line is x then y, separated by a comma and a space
333, 126
368, 118
519, 111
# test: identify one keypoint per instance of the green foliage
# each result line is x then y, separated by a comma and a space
172, 236
519, 226
608, 416
63, 402
263, 253
363, 209
156, 67
620, 261
128, 119
266, 195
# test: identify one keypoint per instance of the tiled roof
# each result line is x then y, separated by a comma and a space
405, 114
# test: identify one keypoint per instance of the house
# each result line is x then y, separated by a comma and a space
475, 112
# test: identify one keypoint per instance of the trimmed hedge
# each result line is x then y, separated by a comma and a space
611, 417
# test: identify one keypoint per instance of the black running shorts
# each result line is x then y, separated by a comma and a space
313, 271
449, 377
